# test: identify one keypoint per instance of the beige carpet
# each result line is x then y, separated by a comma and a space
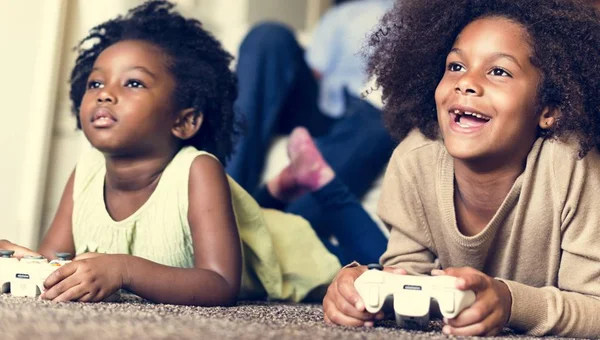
133, 318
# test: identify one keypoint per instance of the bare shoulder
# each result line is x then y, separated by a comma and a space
209, 199
208, 181
206, 168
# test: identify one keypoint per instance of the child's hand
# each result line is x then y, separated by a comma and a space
342, 304
19, 251
89, 280
491, 309
87, 256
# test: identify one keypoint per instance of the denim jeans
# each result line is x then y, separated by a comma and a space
277, 92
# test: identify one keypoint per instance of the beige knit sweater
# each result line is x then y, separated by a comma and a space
543, 242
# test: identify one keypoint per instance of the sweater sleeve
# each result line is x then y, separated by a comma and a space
410, 244
571, 308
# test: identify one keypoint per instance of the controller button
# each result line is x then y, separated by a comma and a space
6, 253
373, 299
375, 266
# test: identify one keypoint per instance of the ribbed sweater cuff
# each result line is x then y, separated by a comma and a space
528, 310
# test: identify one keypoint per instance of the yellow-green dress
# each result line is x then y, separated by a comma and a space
283, 257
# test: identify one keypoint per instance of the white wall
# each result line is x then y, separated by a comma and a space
15, 51
30, 38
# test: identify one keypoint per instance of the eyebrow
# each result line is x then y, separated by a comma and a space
494, 56
140, 68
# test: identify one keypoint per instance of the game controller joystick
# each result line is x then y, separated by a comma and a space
63, 256
6, 253
412, 295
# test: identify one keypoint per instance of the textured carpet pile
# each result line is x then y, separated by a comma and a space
133, 318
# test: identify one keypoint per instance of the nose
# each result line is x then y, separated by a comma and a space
469, 85
106, 96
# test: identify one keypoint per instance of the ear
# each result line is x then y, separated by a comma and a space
187, 124
548, 117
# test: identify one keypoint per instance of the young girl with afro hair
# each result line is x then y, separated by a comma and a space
497, 177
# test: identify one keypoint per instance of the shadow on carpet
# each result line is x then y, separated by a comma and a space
133, 318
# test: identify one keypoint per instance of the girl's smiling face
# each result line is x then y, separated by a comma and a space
487, 99
127, 107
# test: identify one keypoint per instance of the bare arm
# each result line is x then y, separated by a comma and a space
19, 251
215, 280
59, 237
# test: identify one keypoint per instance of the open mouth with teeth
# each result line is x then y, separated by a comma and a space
466, 119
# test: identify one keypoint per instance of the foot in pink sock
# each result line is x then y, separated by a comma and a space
284, 186
307, 164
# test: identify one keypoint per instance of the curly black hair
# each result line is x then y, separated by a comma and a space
409, 61
196, 59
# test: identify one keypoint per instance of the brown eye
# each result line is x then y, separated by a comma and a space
500, 72
454, 67
93, 84
134, 83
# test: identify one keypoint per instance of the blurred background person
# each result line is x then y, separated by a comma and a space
282, 86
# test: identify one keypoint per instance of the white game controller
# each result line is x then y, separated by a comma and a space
412, 295
26, 277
